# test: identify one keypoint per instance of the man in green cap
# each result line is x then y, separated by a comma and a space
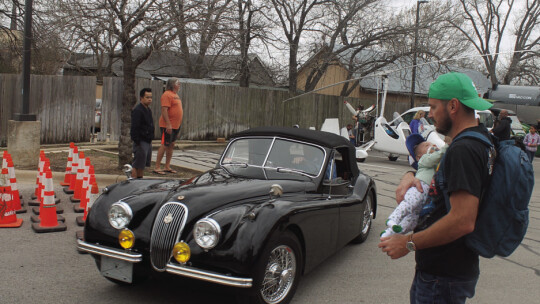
446, 269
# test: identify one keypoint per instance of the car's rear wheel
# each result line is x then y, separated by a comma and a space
278, 271
367, 219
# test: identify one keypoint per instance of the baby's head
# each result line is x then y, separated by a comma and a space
421, 149
415, 142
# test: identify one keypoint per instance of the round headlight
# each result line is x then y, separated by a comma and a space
126, 239
120, 215
181, 252
206, 233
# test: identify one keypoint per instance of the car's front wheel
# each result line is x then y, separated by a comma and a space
278, 271
367, 219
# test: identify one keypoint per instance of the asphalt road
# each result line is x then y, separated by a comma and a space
46, 268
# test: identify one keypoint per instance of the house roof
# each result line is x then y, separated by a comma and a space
166, 64
400, 72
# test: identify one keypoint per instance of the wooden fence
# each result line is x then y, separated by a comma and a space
65, 106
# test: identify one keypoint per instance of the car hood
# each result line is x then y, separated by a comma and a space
216, 188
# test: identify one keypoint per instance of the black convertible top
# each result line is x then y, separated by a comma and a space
325, 139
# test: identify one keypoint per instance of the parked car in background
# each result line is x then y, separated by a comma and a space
279, 202
97, 117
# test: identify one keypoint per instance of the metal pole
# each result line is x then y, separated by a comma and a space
413, 78
25, 115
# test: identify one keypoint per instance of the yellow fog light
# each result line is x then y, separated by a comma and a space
181, 252
126, 238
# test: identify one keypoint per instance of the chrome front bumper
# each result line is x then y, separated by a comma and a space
181, 270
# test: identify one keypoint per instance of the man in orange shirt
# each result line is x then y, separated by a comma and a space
169, 123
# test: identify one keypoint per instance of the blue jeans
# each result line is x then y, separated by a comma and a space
531, 155
427, 288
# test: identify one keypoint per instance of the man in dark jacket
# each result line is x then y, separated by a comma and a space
502, 129
142, 133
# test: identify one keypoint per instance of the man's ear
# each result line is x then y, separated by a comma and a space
453, 106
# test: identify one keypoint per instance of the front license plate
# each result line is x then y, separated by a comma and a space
116, 269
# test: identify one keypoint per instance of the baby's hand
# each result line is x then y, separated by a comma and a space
433, 149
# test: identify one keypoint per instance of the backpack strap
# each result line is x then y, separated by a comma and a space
440, 171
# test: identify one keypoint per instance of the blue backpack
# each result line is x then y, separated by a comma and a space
503, 214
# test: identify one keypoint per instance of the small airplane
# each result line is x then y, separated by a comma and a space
388, 139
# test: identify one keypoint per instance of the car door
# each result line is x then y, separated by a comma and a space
339, 190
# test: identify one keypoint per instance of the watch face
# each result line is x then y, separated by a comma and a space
410, 246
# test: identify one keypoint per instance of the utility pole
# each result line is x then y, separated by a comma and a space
25, 115
415, 50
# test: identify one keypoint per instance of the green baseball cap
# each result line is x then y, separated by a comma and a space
459, 86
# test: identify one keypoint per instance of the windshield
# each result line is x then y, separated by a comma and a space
487, 119
516, 126
269, 158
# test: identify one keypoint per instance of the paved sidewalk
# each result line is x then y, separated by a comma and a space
195, 155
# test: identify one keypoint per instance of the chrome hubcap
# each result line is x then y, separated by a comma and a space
368, 215
279, 274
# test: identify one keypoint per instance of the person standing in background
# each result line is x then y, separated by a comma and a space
142, 133
502, 128
169, 123
416, 125
531, 142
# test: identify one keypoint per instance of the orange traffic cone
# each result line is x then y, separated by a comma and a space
85, 185
8, 216
92, 196
76, 197
67, 175
73, 176
39, 195
38, 210
4, 159
17, 202
41, 163
49, 221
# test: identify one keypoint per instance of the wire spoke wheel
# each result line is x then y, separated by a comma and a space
368, 216
279, 274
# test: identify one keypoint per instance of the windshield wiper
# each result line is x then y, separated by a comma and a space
299, 172
236, 164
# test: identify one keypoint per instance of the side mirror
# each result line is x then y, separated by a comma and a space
127, 170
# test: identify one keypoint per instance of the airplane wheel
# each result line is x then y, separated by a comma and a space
392, 158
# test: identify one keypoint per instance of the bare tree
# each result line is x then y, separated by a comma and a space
295, 17
123, 25
251, 26
339, 19
486, 27
201, 31
85, 33
47, 57
523, 64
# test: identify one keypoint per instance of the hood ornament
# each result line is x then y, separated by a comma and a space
168, 218
276, 190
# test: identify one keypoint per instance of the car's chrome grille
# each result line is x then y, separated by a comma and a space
166, 232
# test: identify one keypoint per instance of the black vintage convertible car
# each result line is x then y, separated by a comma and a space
279, 202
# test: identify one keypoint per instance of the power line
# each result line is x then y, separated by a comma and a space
386, 72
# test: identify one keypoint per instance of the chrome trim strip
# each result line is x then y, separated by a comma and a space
209, 276
109, 252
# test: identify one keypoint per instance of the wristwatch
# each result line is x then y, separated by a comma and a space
410, 244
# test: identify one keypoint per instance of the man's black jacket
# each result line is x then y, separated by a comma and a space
142, 124
502, 130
